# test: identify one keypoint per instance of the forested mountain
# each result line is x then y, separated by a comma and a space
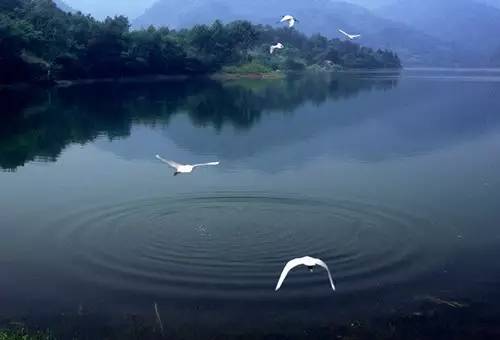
41, 42
316, 16
422, 32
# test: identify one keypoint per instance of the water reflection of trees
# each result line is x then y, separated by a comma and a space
39, 124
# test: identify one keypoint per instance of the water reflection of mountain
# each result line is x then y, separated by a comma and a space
40, 124
362, 117
417, 117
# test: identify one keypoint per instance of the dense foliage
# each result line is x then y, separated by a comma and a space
40, 42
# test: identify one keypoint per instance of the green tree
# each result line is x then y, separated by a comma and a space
106, 51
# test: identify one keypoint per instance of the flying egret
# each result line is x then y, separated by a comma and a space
350, 36
289, 19
278, 46
309, 262
183, 168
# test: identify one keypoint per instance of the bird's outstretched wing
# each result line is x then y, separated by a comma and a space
289, 266
354, 36
285, 18
274, 47
205, 164
344, 33
170, 163
323, 264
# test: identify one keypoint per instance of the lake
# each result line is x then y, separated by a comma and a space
393, 179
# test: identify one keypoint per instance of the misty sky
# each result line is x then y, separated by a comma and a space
103, 8
134, 8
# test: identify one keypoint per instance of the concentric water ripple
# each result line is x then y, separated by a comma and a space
234, 246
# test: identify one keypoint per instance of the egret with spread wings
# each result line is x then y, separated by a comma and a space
278, 46
289, 19
307, 261
183, 168
350, 36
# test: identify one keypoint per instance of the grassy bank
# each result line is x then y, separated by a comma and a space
252, 70
23, 334
434, 318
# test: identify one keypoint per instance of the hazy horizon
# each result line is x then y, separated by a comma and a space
134, 8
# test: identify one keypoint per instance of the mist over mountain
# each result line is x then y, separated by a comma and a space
373, 4
471, 25
316, 16
495, 3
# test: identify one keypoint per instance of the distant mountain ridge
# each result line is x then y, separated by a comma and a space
472, 25
494, 3
373, 4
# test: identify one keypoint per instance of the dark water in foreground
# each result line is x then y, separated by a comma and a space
393, 180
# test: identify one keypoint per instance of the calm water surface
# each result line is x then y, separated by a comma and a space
393, 180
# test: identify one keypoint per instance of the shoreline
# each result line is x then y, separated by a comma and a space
141, 79
253, 75
220, 76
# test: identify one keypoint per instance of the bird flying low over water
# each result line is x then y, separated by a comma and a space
350, 36
183, 168
307, 261
278, 46
288, 19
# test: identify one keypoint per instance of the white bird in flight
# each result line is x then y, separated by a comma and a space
350, 36
278, 46
289, 19
307, 261
183, 168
